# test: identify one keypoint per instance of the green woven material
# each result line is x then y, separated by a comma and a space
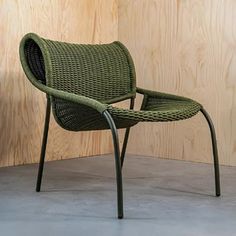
160, 107
84, 80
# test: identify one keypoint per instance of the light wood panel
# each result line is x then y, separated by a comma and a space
22, 106
185, 47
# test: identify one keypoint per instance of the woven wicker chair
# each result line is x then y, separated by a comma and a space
83, 81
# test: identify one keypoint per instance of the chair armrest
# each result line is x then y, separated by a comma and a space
92, 103
155, 94
152, 98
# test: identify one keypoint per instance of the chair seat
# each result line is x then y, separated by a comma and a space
159, 109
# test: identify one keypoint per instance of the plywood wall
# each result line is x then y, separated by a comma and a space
22, 106
185, 47
182, 47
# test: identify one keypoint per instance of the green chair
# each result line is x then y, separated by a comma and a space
83, 81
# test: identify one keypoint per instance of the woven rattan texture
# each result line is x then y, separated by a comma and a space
35, 60
102, 72
74, 117
159, 109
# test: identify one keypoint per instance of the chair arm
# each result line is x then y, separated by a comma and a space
83, 100
155, 94
152, 98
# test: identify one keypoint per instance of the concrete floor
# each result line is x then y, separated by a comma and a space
161, 197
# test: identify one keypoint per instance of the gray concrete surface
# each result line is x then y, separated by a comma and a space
161, 197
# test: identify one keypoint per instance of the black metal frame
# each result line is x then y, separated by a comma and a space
125, 142
44, 145
112, 125
214, 150
119, 159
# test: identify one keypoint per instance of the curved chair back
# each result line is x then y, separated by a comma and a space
103, 72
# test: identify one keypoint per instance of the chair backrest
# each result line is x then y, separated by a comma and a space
103, 72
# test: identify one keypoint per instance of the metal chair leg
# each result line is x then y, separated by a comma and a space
117, 163
44, 145
122, 157
215, 152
